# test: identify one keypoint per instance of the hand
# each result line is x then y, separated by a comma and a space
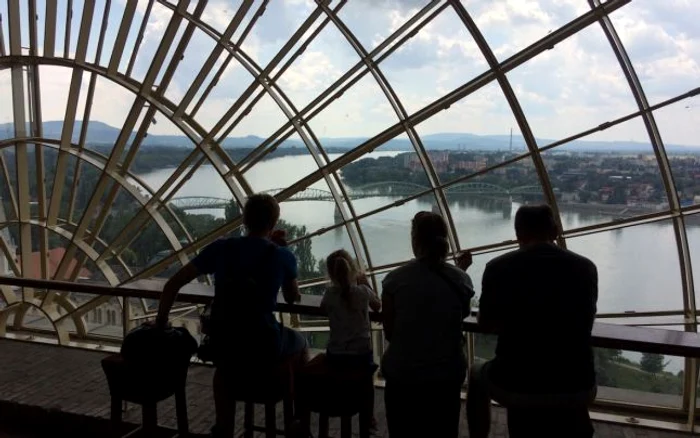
362, 279
464, 260
279, 237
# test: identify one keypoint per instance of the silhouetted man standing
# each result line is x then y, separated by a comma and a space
541, 301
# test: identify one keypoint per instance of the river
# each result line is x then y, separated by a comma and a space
638, 266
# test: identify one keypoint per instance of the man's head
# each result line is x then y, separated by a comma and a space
260, 214
534, 224
429, 236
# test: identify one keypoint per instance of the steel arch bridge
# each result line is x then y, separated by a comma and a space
384, 188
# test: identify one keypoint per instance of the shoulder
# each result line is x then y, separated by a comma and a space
578, 259
284, 253
504, 259
402, 271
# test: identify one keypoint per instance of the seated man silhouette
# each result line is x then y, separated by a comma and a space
248, 273
541, 302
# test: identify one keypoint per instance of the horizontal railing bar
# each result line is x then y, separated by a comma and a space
605, 335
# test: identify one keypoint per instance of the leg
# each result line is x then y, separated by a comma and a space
181, 412
149, 417
400, 405
345, 426
478, 404
270, 420
248, 420
294, 344
116, 416
367, 411
322, 426
225, 408
288, 412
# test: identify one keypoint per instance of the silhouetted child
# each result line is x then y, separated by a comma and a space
347, 301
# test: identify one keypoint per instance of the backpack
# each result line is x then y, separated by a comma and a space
238, 290
152, 346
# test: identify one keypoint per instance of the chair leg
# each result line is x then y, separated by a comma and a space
116, 416
322, 426
181, 412
149, 416
248, 420
365, 422
345, 426
270, 420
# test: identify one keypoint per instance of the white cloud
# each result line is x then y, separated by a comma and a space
575, 86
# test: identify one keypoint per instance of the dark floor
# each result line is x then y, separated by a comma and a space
70, 381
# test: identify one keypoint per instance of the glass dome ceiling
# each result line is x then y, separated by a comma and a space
132, 131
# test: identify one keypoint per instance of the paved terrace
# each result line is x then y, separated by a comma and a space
67, 389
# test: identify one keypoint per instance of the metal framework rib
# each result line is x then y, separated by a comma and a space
82, 231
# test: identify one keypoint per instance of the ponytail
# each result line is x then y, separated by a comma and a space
342, 271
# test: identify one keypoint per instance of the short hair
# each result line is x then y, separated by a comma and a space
261, 213
429, 234
535, 221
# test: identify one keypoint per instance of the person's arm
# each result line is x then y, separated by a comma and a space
593, 287
388, 308
323, 304
489, 316
290, 288
203, 264
186, 274
375, 303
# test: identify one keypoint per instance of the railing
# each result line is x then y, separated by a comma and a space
65, 325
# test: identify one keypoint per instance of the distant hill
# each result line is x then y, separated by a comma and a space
102, 133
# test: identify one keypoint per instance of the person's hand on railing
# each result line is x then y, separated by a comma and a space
464, 260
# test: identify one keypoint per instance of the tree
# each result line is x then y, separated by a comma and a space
652, 363
605, 361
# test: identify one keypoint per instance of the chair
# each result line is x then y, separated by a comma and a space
336, 393
146, 386
266, 386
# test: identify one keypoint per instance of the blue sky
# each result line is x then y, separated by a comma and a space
573, 87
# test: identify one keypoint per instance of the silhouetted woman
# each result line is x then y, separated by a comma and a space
424, 303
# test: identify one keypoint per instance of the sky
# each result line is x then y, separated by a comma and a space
575, 86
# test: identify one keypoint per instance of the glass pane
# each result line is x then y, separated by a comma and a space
660, 42
476, 133
638, 267
442, 54
54, 98
388, 233
327, 58
6, 116
510, 27
106, 121
483, 208
218, 14
361, 112
575, 86
157, 23
373, 28
314, 207
284, 167
231, 84
679, 125
639, 378
606, 176
692, 228
248, 132
273, 29
194, 57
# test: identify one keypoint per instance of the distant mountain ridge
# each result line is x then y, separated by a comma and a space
102, 133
